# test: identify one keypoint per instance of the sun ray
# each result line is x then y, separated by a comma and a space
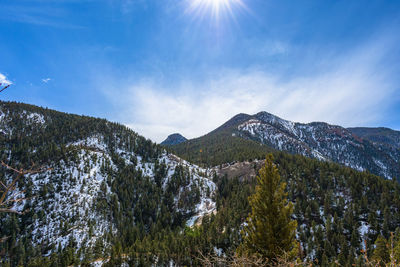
214, 8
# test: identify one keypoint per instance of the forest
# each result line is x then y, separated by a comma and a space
343, 216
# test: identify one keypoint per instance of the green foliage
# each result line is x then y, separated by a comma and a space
137, 206
270, 231
331, 203
219, 147
381, 251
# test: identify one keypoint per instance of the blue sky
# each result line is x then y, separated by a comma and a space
163, 66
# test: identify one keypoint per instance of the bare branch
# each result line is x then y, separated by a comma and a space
7, 197
5, 87
24, 172
3, 185
10, 168
10, 211
9, 188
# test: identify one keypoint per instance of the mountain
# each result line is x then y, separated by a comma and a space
174, 139
221, 146
106, 196
381, 135
339, 210
100, 179
316, 140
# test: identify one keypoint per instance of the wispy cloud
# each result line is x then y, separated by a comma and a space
46, 80
352, 89
4, 80
41, 14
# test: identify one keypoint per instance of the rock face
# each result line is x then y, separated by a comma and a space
174, 139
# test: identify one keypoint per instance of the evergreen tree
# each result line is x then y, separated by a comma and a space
270, 231
381, 252
396, 251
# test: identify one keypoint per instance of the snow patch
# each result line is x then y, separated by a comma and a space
36, 118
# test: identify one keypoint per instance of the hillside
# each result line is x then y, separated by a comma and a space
381, 135
112, 196
221, 146
339, 211
316, 140
102, 181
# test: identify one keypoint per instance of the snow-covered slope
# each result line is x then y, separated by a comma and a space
380, 135
64, 201
70, 203
322, 141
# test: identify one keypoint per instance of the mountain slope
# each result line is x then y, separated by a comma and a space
112, 197
339, 211
316, 140
101, 179
221, 146
381, 135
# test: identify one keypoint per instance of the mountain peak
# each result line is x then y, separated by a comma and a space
234, 121
372, 149
174, 139
269, 118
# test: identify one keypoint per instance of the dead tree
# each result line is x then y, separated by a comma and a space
9, 196
3, 87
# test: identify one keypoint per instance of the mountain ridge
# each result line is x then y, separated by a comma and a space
96, 175
315, 139
114, 198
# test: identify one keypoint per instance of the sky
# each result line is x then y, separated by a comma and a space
187, 66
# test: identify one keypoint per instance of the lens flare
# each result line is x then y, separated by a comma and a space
215, 8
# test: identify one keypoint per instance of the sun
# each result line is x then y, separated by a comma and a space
214, 8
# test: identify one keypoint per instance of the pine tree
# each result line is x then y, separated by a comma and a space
396, 251
270, 231
381, 252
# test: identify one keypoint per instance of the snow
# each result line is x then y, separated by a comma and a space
93, 142
36, 118
192, 220
71, 207
383, 168
98, 263
364, 228
318, 155
201, 177
74, 200
2, 115
267, 134
205, 207
4, 128
218, 251
316, 140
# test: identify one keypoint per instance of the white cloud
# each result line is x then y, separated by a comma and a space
352, 89
46, 80
3, 80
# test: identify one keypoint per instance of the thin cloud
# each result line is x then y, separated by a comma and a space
46, 80
354, 89
38, 14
